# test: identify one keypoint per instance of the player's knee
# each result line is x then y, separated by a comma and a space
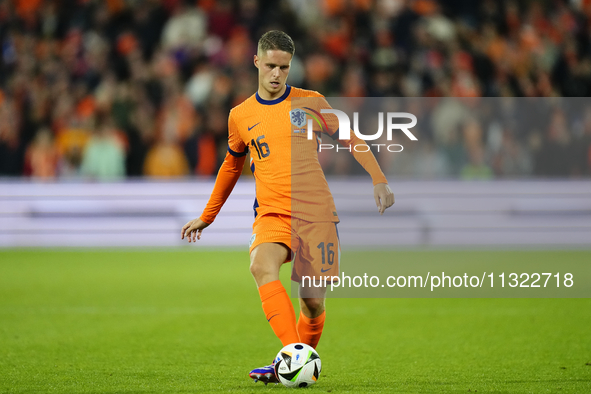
259, 268
255, 268
265, 262
314, 305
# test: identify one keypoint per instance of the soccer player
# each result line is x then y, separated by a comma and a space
295, 216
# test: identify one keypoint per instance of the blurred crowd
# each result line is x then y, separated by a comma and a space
105, 89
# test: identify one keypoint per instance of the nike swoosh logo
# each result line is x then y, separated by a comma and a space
323, 270
250, 128
269, 319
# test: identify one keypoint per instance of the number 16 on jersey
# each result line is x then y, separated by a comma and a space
261, 147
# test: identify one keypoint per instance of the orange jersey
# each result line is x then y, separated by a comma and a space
289, 178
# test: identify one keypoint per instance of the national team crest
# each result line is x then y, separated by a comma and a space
297, 117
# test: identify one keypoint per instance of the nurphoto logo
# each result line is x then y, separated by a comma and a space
344, 131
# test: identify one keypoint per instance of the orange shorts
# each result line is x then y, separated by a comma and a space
315, 248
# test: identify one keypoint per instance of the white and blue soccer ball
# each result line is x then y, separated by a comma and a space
297, 365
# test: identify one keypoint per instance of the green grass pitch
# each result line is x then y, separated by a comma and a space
190, 321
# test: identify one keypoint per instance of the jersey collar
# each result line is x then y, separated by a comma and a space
277, 100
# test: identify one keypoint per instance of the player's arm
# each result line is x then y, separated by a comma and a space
224, 184
382, 193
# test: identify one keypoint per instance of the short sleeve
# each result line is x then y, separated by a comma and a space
236, 146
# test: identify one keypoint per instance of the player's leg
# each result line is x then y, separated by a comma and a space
312, 315
319, 259
265, 261
268, 251
313, 307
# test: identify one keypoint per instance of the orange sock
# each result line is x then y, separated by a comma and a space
310, 329
279, 312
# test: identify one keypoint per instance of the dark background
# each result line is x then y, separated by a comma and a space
123, 88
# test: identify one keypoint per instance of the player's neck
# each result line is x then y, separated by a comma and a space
266, 95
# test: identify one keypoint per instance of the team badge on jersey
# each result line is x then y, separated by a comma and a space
254, 236
297, 117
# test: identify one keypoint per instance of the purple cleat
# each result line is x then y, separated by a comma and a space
264, 374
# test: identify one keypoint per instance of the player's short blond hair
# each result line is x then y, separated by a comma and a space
276, 40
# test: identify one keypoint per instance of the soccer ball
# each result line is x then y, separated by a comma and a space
297, 365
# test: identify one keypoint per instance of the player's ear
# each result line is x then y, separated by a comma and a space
256, 61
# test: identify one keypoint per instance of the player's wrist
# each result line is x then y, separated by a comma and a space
207, 221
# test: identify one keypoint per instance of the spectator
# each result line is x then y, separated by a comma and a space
41, 158
10, 161
104, 157
476, 169
186, 29
166, 160
555, 155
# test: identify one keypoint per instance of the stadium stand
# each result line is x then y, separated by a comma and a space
147, 85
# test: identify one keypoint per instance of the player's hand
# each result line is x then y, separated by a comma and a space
384, 196
193, 229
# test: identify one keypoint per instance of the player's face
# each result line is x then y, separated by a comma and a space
273, 68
